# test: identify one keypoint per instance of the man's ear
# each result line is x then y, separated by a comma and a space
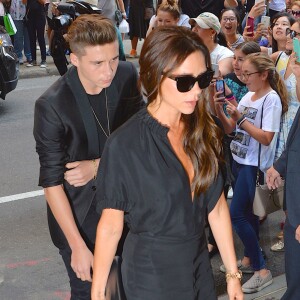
74, 59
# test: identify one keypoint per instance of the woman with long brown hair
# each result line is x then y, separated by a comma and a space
162, 169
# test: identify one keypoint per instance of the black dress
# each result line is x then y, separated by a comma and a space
165, 253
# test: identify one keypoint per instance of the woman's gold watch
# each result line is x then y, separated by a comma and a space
237, 275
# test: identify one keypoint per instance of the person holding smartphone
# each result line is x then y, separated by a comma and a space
257, 121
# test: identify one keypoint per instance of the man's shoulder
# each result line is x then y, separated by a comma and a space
126, 77
125, 69
57, 92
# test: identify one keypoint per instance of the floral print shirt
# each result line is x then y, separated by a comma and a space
17, 10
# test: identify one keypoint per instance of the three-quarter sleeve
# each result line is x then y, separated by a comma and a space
112, 179
48, 132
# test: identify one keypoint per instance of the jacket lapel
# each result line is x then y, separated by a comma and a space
112, 100
85, 111
294, 128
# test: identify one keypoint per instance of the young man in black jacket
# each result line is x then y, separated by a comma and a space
72, 122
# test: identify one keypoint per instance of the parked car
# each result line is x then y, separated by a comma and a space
9, 65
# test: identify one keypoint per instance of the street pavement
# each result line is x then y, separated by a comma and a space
268, 232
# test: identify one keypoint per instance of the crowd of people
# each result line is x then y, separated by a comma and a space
147, 190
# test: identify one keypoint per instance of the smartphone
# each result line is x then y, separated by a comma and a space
250, 23
220, 87
265, 20
215, 68
296, 46
258, 1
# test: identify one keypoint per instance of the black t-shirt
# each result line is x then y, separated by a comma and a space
194, 8
99, 103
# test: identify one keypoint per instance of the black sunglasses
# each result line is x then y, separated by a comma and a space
185, 83
292, 33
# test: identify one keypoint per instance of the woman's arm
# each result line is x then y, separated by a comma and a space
218, 108
225, 66
122, 8
230, 3
109, 232
295, 66
219, 220
263, 137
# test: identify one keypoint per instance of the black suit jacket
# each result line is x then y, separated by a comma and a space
288, 166
65, 131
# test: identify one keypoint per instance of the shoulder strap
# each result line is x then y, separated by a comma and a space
278, 57
259, 144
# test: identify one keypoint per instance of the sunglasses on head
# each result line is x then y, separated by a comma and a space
292, 33
185, 83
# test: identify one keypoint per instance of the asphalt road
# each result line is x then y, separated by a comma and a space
30, 267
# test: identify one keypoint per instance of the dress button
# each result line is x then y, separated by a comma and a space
94, 188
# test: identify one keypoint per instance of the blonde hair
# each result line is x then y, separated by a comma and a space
170, 6
262, 63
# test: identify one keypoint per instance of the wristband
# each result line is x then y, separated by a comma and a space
240, 120
229, 96
124, 14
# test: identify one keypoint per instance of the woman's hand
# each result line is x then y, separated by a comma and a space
97, 297
232, 111
257, 10
234, 289
248, 35
295, 66
219, 98
260, 31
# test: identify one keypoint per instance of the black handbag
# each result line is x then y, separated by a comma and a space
114, 286
118, 14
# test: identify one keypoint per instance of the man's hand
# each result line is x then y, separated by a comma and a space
81, 172
82, 262
273, 179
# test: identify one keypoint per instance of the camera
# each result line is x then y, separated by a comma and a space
70, 10
66, 13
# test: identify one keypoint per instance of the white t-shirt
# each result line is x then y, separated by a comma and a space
2, 11
278, 5
219, 53
108, 7
244, 148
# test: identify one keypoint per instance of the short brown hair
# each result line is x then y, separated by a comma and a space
90, 30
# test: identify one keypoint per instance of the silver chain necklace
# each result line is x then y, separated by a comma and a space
107, 116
